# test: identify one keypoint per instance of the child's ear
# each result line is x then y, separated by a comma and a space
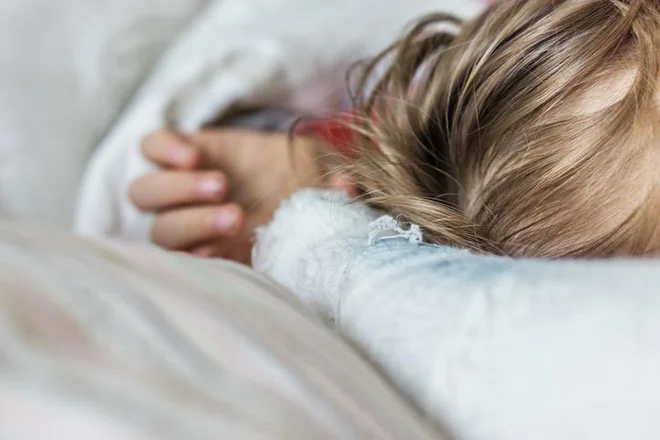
341, 182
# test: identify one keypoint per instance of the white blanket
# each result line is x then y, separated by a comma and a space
282, 53
67, 68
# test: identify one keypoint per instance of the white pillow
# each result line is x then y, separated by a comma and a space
66, 69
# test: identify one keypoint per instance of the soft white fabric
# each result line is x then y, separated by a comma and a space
66, 68
272, 53
105, 341
493, 348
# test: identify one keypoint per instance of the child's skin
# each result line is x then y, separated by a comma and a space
216, 187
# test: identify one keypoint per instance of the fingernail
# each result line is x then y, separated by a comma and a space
210, 187
225, 221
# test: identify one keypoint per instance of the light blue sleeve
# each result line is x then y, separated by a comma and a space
491, 347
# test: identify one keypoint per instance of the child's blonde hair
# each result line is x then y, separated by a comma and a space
533, 131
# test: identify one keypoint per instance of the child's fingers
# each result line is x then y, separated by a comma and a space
169, 150
169, 189
186, 228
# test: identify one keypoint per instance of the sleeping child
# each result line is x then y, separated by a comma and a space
530, 131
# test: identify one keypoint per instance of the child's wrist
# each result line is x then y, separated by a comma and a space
327, 162
307, 163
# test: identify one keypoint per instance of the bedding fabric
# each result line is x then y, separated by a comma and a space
493, 348
115, 342
67, 67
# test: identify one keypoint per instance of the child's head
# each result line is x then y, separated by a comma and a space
534, 131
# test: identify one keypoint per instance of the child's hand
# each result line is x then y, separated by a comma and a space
216, 187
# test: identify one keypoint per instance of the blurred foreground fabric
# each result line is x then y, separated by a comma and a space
108, 341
